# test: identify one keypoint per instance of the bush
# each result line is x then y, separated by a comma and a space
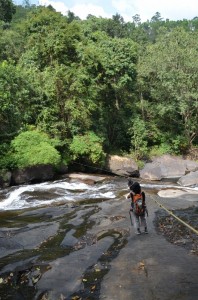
160, 150
177, 145
32, 148
88, 146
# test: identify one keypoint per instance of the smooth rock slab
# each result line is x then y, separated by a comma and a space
29, 237
167, 166
90, 179
66, 273
188, 195
190, 179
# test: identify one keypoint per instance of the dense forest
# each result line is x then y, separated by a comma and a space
73, 89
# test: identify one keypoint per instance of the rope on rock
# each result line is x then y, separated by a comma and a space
177, 218
158, 203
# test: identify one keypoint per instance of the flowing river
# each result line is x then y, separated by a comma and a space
67, 191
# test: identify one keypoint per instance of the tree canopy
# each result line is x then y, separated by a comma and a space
97, 86
7, 9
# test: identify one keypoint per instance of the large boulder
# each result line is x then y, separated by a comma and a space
167, 166
87, 178
33, 174
190, 179
123, 166
151, 171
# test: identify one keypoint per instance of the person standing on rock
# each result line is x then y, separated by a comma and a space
138, 207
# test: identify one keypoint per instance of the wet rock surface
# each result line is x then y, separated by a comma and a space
88, 250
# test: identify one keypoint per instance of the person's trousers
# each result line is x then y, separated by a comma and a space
139, 221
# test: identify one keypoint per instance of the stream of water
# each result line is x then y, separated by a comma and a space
65, 191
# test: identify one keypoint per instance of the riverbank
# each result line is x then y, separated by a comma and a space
159, 168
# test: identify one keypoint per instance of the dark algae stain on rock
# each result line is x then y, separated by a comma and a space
22, 270
21, 284
94, 274
177, 233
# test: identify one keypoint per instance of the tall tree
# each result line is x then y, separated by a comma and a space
12, 97
112, 63
114, 27
11, 45
67, 108
7, 9
49, 39
168, 74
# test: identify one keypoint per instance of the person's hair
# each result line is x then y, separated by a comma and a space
136, 188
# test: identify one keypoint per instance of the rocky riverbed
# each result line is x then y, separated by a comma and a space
78, 243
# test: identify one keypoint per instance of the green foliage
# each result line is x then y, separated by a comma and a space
10, 92
168, 78
21, 13
114, 27
68, 91
19, 99
5, 159
113, 65
139, 138
160, 150
7, 9
133, 84
49, 39
88, 146
179, 144
11, 45
176, 145
32, 148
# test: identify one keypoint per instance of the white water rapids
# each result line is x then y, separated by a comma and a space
62, 191
51, 192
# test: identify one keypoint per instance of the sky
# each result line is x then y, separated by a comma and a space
169, 9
